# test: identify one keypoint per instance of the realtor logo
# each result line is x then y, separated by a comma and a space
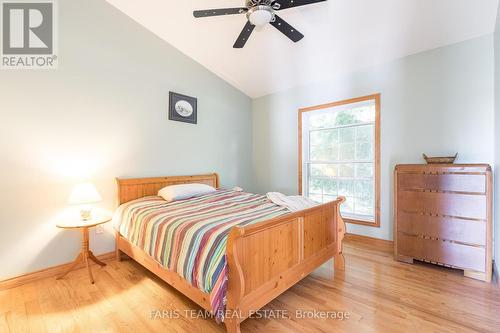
28, 34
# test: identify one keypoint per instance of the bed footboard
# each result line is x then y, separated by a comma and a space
265, 259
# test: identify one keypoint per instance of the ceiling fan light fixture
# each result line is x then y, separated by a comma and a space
260, 15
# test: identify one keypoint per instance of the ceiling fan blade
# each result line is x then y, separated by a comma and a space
287, 29
284, 4
244, 35
219, 12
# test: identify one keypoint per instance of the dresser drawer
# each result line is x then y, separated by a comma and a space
452, 204
449, 228
458, 182
453, 254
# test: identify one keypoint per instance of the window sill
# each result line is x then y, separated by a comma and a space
375, 224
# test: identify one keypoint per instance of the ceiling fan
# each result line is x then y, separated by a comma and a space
260, 13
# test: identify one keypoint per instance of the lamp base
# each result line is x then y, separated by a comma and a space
86, 214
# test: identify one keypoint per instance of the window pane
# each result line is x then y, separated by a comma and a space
325, 170
364, 133
364, 207
324, 137
315, 185
363, 189
341, 116
333, 153
324, 153
317, 153
365, 114
355, 115
364, 170
364, 151
331, 170
316, 170
346, 152
346, 187
346, 170
316, 197
362, 114
346, 135
345, 118
346, 147
348, 206
330, 186
328, 198
321, 186
323, 120
324, 145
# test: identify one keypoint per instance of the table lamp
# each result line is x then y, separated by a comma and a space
84, 195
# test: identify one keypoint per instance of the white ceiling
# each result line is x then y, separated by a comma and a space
340, 36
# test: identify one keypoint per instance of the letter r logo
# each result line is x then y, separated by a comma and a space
27, 27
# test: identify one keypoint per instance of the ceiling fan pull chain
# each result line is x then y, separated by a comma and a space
276, 6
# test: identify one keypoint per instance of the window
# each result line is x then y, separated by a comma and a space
339, 156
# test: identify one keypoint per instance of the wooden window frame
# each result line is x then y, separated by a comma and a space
376, 98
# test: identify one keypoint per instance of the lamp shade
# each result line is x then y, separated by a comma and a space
84, 193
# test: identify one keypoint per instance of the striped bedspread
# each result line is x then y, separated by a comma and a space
189, 236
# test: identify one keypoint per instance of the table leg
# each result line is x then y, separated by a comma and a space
94, 259
84, 256
89, 269
78, 259
85, 252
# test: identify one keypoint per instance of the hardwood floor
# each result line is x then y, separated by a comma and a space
380, 295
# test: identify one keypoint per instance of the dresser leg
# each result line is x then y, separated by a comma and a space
406, 259
477, 275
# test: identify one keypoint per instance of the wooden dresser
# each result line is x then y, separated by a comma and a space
443, 215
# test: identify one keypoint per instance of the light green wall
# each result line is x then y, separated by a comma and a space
497, 142
437, 102
101, 115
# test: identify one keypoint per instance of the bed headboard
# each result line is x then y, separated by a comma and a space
135, 188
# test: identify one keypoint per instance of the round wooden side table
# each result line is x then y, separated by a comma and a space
85, 254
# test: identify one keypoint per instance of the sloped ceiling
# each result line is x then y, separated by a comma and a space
340, 36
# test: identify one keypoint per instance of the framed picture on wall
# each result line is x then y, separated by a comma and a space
182, 108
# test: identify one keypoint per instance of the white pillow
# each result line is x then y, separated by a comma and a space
184, 191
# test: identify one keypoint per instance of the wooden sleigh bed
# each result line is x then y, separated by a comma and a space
264, 259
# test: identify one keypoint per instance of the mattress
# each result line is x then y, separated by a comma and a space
189, 236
